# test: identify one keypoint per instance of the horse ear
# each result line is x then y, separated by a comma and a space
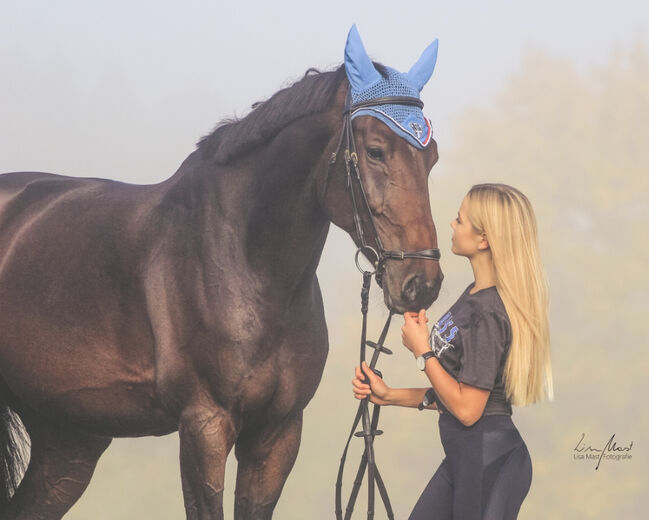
360, 70
421, 71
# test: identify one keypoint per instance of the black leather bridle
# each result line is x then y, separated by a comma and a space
353, 176
369, 425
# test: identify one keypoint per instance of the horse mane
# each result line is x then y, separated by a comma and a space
311, 94
233, 137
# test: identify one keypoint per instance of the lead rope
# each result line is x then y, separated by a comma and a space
370, 426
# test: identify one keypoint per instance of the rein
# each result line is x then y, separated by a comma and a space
369, 427
369, 424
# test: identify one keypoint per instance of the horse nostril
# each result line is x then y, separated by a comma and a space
418, 292
411, 288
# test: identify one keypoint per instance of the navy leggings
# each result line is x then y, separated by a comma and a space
485, 475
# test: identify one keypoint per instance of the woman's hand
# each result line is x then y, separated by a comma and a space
376, 390
414, 333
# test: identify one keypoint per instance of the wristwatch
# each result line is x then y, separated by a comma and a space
429, 398
421, 360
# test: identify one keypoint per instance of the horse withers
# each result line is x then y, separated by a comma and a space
193, 305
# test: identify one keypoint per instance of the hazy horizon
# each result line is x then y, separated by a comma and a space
552, 98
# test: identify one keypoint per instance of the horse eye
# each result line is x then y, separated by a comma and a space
375, 153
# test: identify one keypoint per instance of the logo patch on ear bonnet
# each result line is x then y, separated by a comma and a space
366, 84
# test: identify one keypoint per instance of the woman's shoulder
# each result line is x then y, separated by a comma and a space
483, 304
485, 300
470, 308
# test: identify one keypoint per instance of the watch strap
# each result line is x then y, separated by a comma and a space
421, 360
429, 398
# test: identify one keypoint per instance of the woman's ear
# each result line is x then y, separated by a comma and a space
484, 243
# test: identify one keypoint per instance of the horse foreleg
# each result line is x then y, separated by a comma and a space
207, 433
266, 457
60, 467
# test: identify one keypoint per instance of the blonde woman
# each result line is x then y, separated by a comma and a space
489, 351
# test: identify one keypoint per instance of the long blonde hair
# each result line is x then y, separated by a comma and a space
505, 215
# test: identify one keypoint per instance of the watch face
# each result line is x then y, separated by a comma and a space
421, 363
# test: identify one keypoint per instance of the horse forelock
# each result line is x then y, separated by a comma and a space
312, 94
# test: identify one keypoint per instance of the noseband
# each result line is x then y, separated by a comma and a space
353, 175
369, 423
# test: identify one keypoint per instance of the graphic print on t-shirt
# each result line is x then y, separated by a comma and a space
442, 334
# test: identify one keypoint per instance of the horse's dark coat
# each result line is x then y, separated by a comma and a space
192, 304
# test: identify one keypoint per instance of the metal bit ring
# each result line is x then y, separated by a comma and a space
358, 265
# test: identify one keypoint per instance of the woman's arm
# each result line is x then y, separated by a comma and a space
464, 401
408, 397
380, 393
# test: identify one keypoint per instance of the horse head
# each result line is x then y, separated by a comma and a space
388, 149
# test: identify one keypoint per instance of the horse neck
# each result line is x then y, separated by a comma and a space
262, 209
286, 228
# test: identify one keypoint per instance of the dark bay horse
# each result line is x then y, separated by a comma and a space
191, 305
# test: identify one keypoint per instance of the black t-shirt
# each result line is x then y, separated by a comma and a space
471, 342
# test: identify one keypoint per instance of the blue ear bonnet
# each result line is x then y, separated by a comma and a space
366, 84
406, 121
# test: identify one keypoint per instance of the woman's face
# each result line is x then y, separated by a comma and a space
465, 241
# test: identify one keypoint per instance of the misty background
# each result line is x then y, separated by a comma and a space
550, 97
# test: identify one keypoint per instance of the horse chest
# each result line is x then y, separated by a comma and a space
278, 374
246, 361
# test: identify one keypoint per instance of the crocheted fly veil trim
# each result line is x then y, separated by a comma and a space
367, 84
